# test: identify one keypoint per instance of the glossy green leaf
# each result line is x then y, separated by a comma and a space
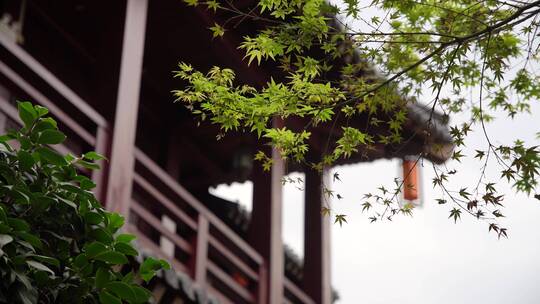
103, 277
129, 277
18, 224
27, 113
149, 267
81, 260
85, 183
122, 290
93, 218
142, 295
20, 195
102, 235
67, 202
3, 216
41, 111
5, 239
112, 257
39, 266
125, 238
94, 249
51, 137
107, 298
45, 124
46, 259
93, 156
115, 221
26, 161
51, 156
40, 203
87, 165
125, 249
31, 239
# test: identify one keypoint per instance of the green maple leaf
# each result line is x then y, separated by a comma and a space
325, 211
213, 5
455, 214
192, 2
366, 206
463, 192
217, 30
340, 219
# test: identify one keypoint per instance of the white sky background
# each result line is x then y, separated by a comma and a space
427, 258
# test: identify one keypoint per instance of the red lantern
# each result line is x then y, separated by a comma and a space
410, 179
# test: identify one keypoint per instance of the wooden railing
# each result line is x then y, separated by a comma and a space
216, 257
205, 246
98, 139
293, 294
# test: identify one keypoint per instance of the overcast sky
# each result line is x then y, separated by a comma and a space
427, 258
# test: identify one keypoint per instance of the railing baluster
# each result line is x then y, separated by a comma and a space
200, 262
103, 141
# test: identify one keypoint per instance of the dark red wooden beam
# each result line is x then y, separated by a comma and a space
123, 141
316, 279
265, 231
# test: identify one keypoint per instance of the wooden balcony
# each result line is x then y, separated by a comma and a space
214, 255
216, 258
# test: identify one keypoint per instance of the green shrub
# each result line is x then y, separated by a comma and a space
57, 243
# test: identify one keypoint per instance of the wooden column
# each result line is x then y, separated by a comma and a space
316, 240
127, 105
265, 231
276, 265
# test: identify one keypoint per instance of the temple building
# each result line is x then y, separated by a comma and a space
104, 70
